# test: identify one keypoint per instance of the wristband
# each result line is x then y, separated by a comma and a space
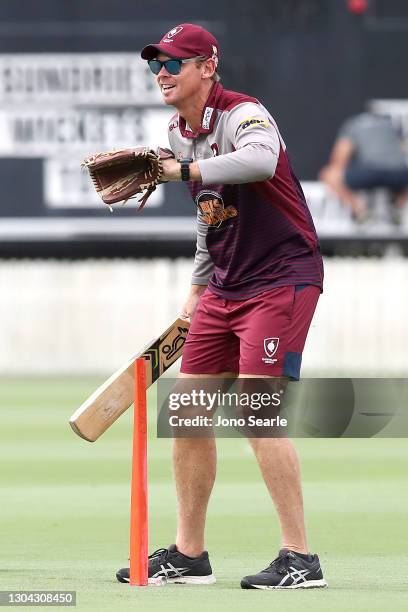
185, 169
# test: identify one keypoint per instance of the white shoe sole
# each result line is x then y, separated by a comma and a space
186, 579
309, 584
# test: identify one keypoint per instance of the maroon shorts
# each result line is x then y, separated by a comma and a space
263, 335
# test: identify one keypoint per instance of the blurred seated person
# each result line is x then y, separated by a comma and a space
367, 154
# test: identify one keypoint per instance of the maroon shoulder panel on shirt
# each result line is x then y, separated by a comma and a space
225, 99
218, 99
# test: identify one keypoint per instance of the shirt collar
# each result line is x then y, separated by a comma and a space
208, 115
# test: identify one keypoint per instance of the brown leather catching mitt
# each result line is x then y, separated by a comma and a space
120, 175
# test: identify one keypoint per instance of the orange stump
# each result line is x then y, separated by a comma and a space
138, 497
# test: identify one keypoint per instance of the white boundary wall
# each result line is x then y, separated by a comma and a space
88, 317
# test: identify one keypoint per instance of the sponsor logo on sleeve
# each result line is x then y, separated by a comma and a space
212, 209
251, 122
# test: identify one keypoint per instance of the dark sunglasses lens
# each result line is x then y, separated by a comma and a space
155, 66
173, 66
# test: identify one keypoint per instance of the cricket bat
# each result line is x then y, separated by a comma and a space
115, 395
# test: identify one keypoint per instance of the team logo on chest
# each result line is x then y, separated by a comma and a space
207, 118
212, 209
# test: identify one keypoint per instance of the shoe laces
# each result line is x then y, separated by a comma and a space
160, 554
280, 564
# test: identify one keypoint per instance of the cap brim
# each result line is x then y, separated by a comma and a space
150, 52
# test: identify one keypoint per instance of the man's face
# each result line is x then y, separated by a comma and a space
176, 89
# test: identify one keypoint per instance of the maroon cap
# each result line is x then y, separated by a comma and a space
184, 41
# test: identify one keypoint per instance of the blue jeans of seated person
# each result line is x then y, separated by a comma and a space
358, 176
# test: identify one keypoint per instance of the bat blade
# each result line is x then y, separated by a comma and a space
116, 394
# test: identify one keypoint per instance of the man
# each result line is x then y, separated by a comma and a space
257, 277
367, 154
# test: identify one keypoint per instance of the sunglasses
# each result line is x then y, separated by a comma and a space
173, 66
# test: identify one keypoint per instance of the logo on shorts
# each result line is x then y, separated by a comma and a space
270, 348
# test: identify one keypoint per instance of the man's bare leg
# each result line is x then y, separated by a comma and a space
194, 464
279, 464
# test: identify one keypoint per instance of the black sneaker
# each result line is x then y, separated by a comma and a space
288, 571
175, 567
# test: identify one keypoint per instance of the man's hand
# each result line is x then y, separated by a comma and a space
190, 306
333, 176
119, 175
171, 170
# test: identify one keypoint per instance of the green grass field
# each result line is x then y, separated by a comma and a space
65, 512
